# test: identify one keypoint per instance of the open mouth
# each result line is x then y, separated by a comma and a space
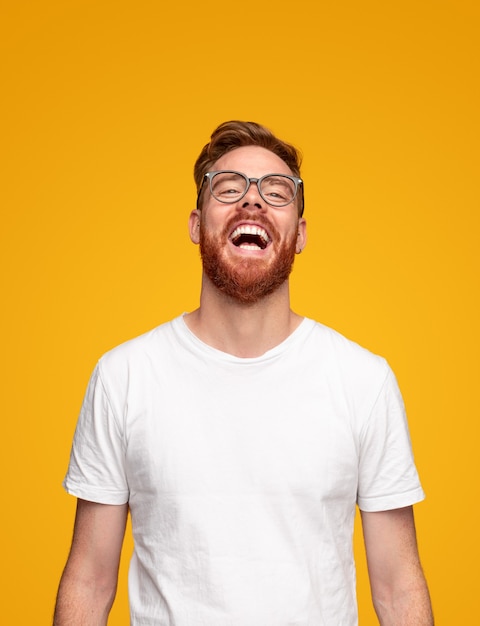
250, 237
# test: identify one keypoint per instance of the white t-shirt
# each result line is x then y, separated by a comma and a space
242, 474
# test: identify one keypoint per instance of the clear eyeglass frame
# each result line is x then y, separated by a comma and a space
210, 176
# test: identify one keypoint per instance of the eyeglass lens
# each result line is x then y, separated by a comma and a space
276, 190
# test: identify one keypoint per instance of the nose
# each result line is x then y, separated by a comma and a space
253, 197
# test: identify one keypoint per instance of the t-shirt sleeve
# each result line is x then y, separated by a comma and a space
388, 478
96, 470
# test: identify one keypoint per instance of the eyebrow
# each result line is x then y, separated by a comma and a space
280, 179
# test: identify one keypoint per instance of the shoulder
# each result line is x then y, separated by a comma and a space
141, 346
137, 355
344, 355
345, 368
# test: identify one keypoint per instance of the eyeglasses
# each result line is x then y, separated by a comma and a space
277, 190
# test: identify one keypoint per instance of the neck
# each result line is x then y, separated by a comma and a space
240, 329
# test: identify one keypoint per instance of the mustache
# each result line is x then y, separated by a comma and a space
245, 215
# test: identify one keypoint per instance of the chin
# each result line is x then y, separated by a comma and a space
246, 280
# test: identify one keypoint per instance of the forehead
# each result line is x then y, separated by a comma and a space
253, 161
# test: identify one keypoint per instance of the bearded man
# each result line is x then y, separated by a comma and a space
242, 436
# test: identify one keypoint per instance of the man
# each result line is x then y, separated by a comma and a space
241, 436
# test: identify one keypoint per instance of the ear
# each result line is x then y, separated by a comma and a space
194, 226
301, 235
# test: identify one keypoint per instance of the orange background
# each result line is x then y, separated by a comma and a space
105, 107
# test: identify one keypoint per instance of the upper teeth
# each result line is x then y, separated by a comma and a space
247, 229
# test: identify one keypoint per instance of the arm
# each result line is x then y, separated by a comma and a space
399, 590
89, 581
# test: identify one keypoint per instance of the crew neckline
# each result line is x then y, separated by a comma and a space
180, 325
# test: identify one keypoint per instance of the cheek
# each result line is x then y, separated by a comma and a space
215, 231
212, 219
291, 231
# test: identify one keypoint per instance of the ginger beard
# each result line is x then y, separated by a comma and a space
247, 279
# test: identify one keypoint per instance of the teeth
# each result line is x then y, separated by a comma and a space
247, 229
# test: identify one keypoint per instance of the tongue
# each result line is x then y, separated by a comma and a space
249, 246
249, 241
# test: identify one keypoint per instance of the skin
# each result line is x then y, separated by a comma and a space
89, 581
88, 585
399, 589
222, 322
